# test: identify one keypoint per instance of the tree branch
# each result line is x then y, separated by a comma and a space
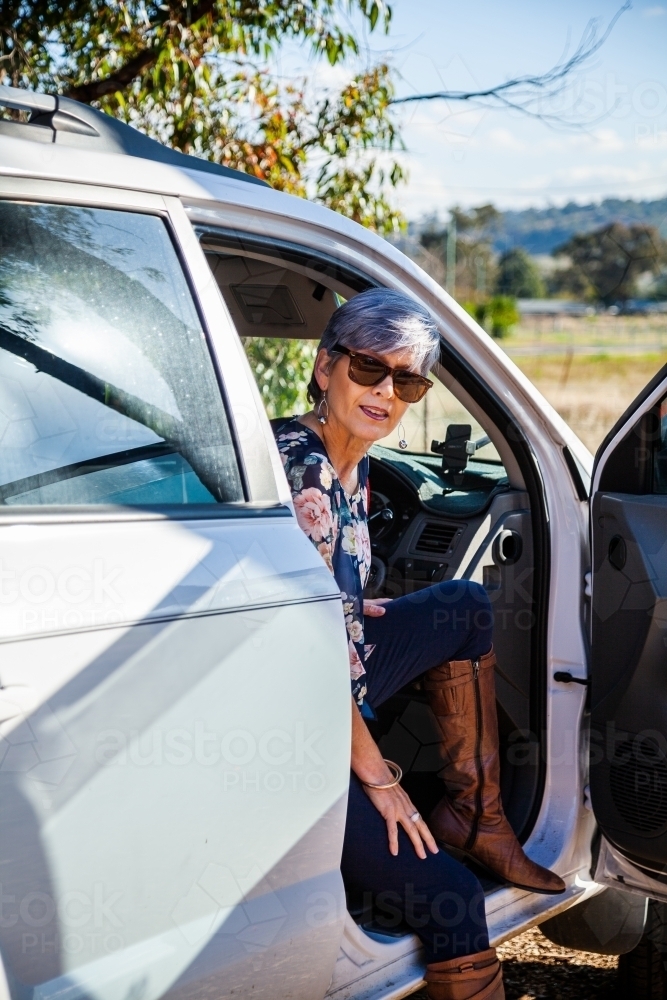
93, 90
521, 93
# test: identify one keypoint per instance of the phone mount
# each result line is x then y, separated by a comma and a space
455, 451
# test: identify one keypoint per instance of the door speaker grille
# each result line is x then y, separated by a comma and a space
638, 782
436, 537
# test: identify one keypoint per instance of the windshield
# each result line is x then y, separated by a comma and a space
427, 421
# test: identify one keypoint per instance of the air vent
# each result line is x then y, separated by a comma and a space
638, 779
437, 537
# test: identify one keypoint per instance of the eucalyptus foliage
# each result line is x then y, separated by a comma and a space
196, 74
282, 370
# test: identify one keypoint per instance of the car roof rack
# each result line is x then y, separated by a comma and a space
61, 120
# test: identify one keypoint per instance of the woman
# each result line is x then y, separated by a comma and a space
370, 366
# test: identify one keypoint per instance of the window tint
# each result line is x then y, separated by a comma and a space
107, 390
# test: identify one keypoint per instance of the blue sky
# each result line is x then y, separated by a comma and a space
461, 155
468, 156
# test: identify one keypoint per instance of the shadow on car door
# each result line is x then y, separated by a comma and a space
174, 698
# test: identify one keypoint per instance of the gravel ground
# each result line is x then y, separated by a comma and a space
536, 969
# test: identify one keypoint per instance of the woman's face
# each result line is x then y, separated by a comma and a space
366, 412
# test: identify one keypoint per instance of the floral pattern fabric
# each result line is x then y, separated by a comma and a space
337, 525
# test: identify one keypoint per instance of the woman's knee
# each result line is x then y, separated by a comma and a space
477, 605
464, 882
461, 593
464, 605
476, 596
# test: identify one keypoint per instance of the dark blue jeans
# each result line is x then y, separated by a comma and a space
440, 899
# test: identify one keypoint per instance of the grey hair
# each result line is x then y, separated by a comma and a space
383, 321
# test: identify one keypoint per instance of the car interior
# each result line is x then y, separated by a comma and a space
456, 504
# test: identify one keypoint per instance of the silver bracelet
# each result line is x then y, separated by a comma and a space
395, 770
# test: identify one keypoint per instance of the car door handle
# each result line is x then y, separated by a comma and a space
565, 677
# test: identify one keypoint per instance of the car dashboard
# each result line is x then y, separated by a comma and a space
422, 520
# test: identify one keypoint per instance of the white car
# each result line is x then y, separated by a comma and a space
174, 689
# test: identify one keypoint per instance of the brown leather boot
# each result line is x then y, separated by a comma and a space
473, 977
470, 817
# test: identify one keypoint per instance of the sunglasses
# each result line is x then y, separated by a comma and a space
364, 370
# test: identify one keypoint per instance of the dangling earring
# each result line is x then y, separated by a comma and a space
402, 443
322, 417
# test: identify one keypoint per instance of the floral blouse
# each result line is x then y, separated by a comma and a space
336, 524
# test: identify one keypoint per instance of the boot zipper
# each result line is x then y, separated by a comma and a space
472, 836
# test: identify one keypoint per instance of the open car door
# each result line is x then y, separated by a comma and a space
629, 646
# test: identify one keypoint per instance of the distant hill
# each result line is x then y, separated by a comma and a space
539, 230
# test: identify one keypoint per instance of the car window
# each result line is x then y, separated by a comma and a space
107, 389
428, 421
280, 312
660, 451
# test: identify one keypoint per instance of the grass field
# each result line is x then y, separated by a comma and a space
590, 391
590, 335
590, 368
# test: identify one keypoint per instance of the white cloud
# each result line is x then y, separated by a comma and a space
503, 138
608, 140
439, 183
447, 130
600, 140
605, 174
656, 11
648, 138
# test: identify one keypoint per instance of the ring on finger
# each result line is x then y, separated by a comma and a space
415, 817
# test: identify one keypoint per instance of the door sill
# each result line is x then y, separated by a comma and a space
373, 966
370, 968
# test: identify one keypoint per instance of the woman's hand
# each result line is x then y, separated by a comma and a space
395, 807
374, 608
393, 804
